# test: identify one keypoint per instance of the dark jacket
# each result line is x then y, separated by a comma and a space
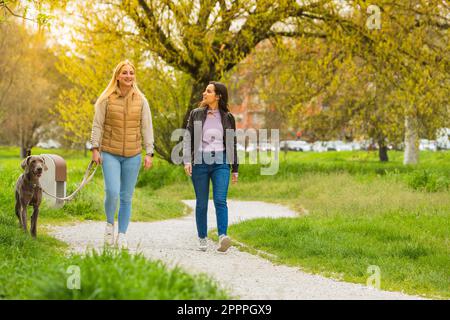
228, 122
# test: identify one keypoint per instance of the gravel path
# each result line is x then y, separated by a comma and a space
244, 275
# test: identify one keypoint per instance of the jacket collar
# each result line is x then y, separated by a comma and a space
129, 93
206, 108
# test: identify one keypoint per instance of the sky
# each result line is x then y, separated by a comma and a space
60, 30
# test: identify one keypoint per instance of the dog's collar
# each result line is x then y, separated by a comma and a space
35, 186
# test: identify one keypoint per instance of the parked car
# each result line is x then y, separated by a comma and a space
338, 145
432, 145
355, 145
443, 139
49, 144
396, 146
265, 146
428, 145
319, 146
284, 145
251, 147
289, 144
240, 147
443, 145
368, 145
299, 145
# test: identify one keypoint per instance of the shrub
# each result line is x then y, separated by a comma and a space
426, 180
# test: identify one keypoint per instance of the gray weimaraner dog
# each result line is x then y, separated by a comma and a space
29, 191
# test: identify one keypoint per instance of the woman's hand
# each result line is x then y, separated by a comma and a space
96, 156
188, 169
148, 162
234, 178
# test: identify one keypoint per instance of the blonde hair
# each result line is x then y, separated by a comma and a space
113, 84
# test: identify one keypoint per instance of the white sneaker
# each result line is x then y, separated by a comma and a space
122, 241
224, 243
109, 234
202, 244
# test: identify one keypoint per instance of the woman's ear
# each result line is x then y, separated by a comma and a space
24, 163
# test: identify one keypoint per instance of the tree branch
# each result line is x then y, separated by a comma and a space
3, 5
167, 49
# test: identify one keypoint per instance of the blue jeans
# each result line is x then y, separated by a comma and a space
219, 174
120, 175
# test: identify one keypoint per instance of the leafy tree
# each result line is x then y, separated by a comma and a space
206, 39
368, 80
28, 88
409, 51
187, 41
89, 67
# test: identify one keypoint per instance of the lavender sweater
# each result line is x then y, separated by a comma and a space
212, 139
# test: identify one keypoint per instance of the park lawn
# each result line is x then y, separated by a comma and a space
38, 269
346, 224
353, 212
354, 215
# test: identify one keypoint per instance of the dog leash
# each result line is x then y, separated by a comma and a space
87, 177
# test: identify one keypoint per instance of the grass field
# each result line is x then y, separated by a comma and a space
356, 212
351, 222
353, 212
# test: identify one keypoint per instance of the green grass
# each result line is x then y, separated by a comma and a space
23, 260
121, 275
352, 221
410, 260
297, 164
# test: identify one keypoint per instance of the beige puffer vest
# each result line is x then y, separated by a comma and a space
122, 127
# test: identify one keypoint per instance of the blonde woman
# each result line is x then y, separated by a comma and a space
122, 121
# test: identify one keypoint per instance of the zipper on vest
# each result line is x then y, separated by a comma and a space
124, 126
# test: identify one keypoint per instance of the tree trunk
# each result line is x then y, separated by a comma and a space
383, 152
24, 152
411, 155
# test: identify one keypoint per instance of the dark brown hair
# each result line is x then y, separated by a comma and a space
221, 90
